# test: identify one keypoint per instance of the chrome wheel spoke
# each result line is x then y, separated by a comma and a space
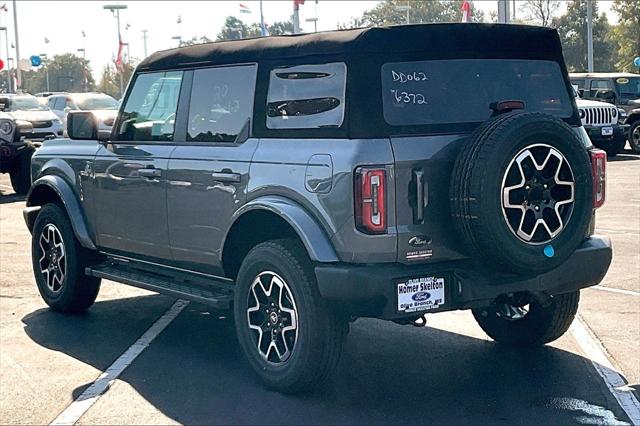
272, 315
52, 260
538, 192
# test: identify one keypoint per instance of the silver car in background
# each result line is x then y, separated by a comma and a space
45, 123
104, 107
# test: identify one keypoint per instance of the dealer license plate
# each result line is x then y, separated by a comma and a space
420, 294
607, 131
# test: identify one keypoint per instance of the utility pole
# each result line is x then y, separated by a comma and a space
45, 60
15, 27
115, 8
503, 11
144, 41
6, 41
296, 16
589, 36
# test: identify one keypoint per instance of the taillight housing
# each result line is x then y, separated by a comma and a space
370, 197
599, 173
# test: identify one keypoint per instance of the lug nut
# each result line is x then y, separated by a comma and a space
537, 208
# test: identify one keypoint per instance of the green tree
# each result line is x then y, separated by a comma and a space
572, 27
281, 27
627, 33
67, 73
110, 79
235, 29
195, 40
393, 12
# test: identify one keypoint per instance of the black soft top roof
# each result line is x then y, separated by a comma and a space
425, 40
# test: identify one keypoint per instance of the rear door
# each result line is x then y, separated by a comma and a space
131, 170
208, 172
432, 106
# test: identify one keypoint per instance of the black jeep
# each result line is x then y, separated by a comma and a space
305, 181
16, 152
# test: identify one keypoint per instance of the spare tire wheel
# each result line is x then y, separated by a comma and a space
521, 192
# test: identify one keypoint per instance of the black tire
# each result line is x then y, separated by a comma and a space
615, 147
634, 137
476, 192
540, 325
72, 292
320, 331
21, 173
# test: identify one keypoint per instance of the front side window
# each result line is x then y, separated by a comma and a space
463, 90
221, 103
597, 85
150, 110
307, 96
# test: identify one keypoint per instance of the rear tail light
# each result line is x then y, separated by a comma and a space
370, 200
599, 172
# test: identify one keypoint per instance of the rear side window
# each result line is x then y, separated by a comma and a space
306, 96
150, 110
221, 103
461, 91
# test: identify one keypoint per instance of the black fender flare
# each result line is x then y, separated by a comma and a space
69, 201
314, 238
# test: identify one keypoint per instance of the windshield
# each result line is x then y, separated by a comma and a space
88, 103
629, 87
25, 103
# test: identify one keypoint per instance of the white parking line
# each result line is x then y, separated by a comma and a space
81, 404
616, 290
593, 349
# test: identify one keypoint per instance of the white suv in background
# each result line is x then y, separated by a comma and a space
103, 106
601, 120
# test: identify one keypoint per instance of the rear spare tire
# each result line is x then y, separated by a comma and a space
521, 192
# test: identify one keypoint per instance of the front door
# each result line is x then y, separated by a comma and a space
208, 173
131, 170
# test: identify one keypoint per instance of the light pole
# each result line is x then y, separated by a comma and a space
6, 41
144, 40
115, 9
589, 36
315, 23
84, 67
15, 27
179, 39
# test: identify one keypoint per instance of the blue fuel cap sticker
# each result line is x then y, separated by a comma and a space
549, 251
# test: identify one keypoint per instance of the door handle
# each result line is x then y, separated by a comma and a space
150, 172
225, 176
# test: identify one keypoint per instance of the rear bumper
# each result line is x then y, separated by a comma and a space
370, 290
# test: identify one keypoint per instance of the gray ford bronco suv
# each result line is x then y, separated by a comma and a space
305, 181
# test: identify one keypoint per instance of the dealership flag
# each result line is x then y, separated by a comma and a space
466, 11
244, 9
119, 57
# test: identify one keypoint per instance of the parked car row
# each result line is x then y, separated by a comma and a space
597, 93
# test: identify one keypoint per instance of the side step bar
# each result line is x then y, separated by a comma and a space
209, 291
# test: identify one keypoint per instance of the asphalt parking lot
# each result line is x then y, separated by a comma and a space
447, 372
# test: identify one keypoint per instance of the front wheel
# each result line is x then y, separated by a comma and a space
634, 137
59, 262
289, 335
527, 322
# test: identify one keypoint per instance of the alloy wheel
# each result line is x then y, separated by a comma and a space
273, 316
635, 139
538, 194
53, 261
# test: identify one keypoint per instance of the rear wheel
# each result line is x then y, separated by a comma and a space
291, 338
59, 261
527, 322
634, 137
21, 174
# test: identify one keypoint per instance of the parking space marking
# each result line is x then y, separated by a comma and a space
81, 404
616, 290
593, 349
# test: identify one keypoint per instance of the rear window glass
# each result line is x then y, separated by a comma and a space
461, 91
306, 96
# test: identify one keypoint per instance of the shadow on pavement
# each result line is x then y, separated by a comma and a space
11, 198
194, 372
626, 155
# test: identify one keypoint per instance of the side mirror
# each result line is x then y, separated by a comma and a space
82, 125
67, 109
